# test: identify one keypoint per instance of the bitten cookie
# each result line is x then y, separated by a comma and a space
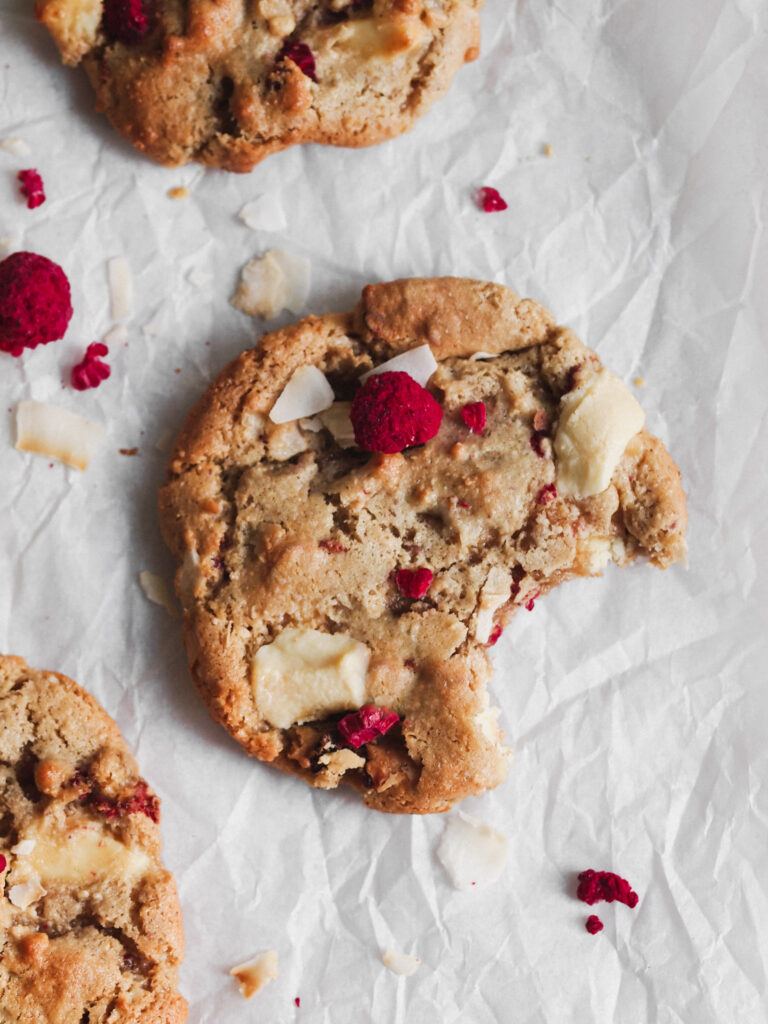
350, 545
90, 923
227, 82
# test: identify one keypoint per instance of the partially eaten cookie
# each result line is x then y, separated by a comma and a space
227, 83
90, 923
359, 506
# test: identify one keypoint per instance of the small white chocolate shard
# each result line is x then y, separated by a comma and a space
472, 852
80, 852
336, 419
306, 394
255, 974
56, 433
400, 963
418, 363
496, 592
120, 287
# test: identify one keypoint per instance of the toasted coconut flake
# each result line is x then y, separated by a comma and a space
23, 848
25, 894
418, 363
255, 974
306, 394
56, 433
275, 282
472, 852
120, 288
496, 592
336, 419
157, 592
400, 963
13, 144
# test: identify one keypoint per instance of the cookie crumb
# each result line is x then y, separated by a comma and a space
400, 963
639, 381
180, 192
254, 974
548, 150
128, 451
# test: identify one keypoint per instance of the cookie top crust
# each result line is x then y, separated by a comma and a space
304, 559
227, 82
90, 922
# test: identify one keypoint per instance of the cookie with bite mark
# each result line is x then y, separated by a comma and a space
226, 83
351, 545
90, 922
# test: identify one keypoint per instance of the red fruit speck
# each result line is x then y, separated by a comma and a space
595, 886
530, 601
91, 371
537, 438
496, 632
391, 412
546, 494
334, 546
297, 1000
474, 416
125, 21
593, 924
302, 57
32, 188
3, 863
35, 302
489, 200
141, 801
414, 583
366, 725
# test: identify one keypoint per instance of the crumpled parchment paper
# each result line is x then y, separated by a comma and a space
636, 704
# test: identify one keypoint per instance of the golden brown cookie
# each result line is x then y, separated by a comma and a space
319, 578
227, 82
90, 923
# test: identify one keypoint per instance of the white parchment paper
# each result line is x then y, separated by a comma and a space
636, 704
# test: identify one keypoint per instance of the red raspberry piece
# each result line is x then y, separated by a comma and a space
91, 371
593, 924
547, 494
334, 546
32, 188
391, 412
414, 583
474, 416
536, 442
489, 200
496, 632
141, 801
366, 725
3, 863
125, 21
35, 302
595, 886
530, 602
302, 57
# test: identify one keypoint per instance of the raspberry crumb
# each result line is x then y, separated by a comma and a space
302, 57
125, 21
366, 725
35, 302
537, 437
496, 632
489, 200
141, 801
297, 1001
593, 924
391, 412
474, 417
32, 188
547, 494
334, 546
530, 602
91, 371
414, 583
595, 886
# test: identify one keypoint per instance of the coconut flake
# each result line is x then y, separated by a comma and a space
152, 328
25, 894
275, 282
496, 592
12, 240
400, 963
472, 852
116, 335
336, 419
296, 270
306, 393
476, 356
157, 592
23, 848
255, 974
120, 287
56, 433
199, 277
311, 423
418, 363
285, 440
13, 144
263, 213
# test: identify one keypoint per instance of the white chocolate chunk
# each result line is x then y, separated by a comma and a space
496, 592
57, 433
77, 854
336, 419
157, 592
306, 674
372, 39
25, 894
255, 974
418, 363
74, 25
306, 393
599, 550
472, 852
120, 288
400, 963
285, 440
597, 421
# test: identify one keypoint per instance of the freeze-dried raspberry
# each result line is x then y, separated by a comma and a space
32, 188
593, 924
414, 583
530, 602
334, 546
3, 863
496, 632
91, 371
474, 416
547, 493
391, 412
302, 57
35, 302
489, 200
595, 886
141, 801
125, 21
366, 725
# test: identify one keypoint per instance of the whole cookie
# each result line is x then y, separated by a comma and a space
90, 923
227, 82
339, 602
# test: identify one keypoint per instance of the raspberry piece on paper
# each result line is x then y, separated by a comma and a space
391, 412
489, 200
35, 302
595, 886
593, 924
32, 188
91, 371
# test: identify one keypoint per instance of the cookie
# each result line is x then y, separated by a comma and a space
226, 83
339, 603
90, 923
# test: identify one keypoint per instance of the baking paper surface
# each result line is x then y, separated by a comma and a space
635, 704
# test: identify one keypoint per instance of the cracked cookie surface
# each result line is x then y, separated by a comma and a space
227, 82
90, 923
288, 534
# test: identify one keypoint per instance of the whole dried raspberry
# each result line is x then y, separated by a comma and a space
489, 200
391, 412
125, 21
593, 924
32, 188
474, 416
91, 371
35, 302
302, 57
366, 725
595, 886
414, 583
